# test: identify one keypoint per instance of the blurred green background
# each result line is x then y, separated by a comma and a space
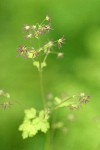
79, 22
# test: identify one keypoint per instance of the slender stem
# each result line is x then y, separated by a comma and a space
39, 42
48, 141
45, 57
53, 52
41, 82
42, 22
52, 132
42, 89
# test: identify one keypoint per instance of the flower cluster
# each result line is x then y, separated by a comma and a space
83, 99
73, 102
35, 31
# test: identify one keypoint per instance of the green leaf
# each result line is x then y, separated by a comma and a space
44, 126
36, 64
43, 123
43, 64
33, 123
62, 103
43, 115
30, 113
57, 100
28, 129
30, 55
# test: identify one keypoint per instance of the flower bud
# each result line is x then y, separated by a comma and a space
60, 55
29, 36
26, 27
48, 18
33, 27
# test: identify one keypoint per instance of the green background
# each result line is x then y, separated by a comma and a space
79, 22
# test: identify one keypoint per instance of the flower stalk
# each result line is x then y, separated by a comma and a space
42, 90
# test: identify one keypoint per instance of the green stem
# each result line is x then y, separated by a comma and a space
42, 89
48, 141
45, 57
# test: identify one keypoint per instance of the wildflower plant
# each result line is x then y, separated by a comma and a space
38, 120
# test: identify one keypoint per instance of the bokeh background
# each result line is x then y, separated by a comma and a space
79, 71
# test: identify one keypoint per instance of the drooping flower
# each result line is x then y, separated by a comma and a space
22, 50
61, 41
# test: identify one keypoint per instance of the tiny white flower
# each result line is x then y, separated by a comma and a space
29, 35
60, 55
27, 27
33, 27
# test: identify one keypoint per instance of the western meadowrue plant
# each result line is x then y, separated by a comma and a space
38, 120
35, 120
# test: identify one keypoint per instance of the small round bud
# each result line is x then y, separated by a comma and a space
82, 94
29, 36
33, 27
26, 28
48, 18
60, 55
50, 44
7, 95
